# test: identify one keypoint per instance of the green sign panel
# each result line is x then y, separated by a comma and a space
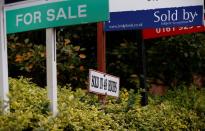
50, 14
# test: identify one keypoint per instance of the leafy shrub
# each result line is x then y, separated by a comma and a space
80, 110
29, 59
174, 60
120, 63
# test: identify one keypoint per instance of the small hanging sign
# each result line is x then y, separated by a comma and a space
104, 84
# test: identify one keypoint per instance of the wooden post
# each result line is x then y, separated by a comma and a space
51, 69
101, 54
4, 86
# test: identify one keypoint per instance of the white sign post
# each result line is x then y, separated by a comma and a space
4, 87
104, 84
51, 69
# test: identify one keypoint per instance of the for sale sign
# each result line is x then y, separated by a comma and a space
102, 83
39, 14
141, 14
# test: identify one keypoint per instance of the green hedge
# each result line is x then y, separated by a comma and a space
80, 110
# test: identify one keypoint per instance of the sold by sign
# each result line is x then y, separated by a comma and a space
54, 13
133, 14
104, 84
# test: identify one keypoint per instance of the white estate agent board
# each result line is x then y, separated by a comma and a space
140, 14
103, 83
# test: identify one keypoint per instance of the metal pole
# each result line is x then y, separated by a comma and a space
4, 86
142, 70
51, 69
101, 54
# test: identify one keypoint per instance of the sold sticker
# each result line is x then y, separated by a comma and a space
102, 83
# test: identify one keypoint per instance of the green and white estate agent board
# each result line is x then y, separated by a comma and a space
44, 14
54, 13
